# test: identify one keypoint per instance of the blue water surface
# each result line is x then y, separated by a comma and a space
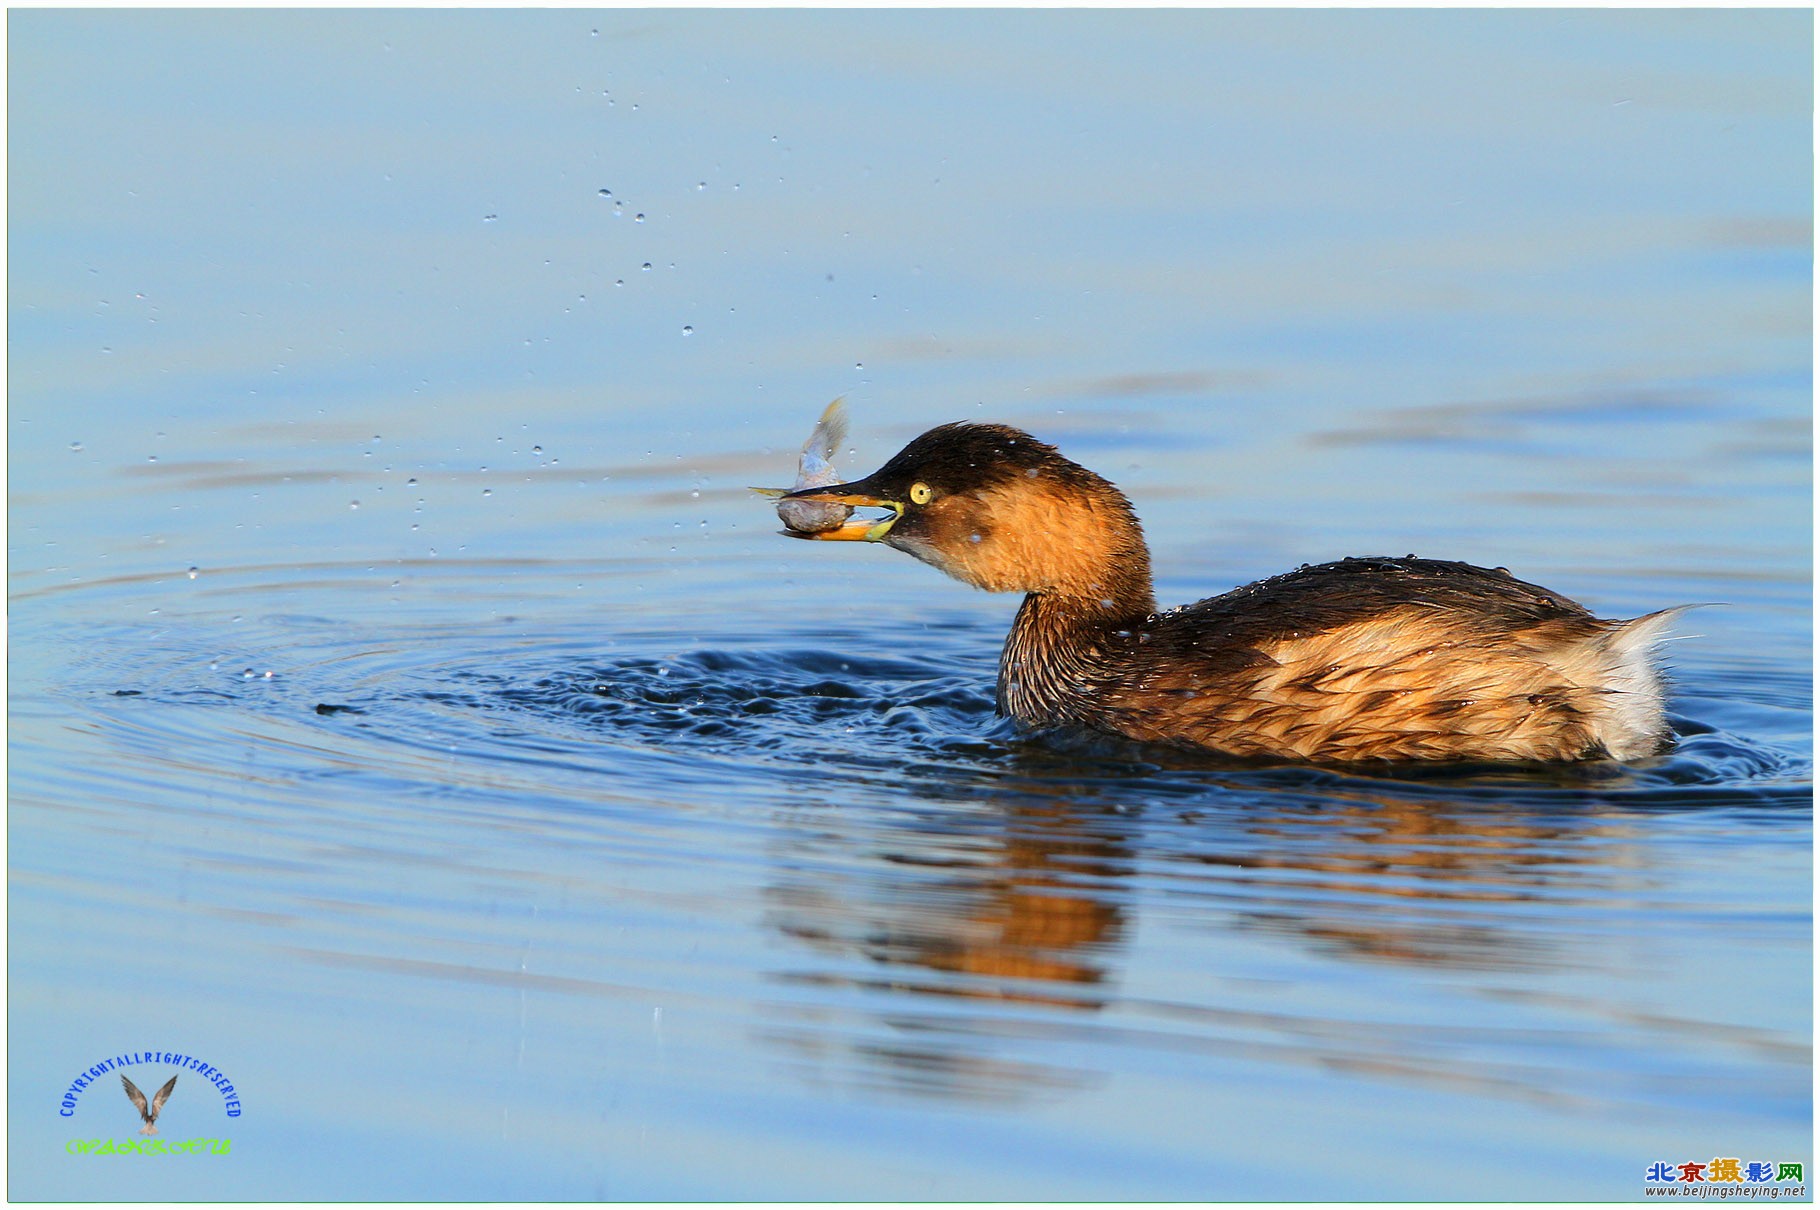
414, 717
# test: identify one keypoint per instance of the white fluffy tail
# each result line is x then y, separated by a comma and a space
1634, 723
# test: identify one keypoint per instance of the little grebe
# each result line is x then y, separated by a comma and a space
1363, 659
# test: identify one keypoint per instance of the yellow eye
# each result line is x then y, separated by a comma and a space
921, 493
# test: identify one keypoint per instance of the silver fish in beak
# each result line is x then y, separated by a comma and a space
815, 469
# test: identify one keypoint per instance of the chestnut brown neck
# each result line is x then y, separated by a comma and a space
1062, 642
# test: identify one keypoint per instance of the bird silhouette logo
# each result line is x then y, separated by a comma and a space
148, 1113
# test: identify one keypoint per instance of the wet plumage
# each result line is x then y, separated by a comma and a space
1361, 659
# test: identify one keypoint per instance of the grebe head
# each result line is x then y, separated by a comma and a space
996, 508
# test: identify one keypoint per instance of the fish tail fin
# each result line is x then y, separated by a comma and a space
831, 430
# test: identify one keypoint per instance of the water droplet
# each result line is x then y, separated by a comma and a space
75, 447
606, 193
688, 330
638, 218
646, 267
537, 449
694, 494
619, 281
700, 185
410, 483
194, 572
491, 218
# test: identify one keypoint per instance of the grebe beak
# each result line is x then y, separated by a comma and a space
860, 494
